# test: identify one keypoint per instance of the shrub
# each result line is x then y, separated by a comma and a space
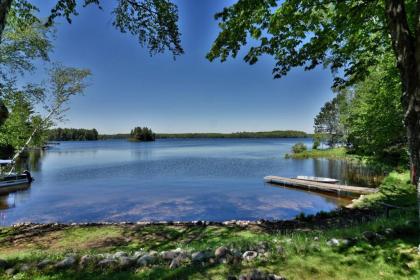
298, 148
316, 144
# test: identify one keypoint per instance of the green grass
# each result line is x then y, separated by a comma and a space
333, 153
302, 257
394, 190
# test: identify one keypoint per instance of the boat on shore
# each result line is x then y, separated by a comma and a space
10, 182
318, 179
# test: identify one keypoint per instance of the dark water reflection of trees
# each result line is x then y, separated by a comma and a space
349, 172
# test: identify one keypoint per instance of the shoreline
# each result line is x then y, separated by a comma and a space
289, 249
317, 220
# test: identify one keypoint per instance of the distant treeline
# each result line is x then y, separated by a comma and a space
264, 134
73, 134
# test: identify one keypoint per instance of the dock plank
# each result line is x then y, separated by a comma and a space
317, 186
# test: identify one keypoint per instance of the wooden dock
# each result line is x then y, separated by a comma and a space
320, 187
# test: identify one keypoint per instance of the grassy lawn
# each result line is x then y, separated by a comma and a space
303, 254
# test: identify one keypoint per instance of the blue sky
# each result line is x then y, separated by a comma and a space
129, 88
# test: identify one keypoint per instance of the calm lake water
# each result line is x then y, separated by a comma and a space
171, 179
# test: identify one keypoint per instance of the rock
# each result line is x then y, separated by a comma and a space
139, 254
220, 252
66, 263
249, 255
254, 275
153, 253
199, 256
44, 263
333, 242
85, 260
275, 277
169, 255
3, 264
316, 238
106, 263
125, 262
25, 267
175, 263
10, 271
120, 254
146, 260
371, 236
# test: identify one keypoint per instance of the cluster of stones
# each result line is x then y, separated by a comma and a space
368, 236
172, 259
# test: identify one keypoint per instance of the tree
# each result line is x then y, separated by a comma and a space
375, 118
24, 40
142, 134
344, 35
64, 82
327, 123
154, 22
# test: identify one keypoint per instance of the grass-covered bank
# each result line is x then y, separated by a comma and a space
359, 243
379, 249
332, 153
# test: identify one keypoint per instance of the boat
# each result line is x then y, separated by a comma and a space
11, 181
318, 179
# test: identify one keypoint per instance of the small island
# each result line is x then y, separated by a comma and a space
143, 134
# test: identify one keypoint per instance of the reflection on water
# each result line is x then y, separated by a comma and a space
184, 179
349, 173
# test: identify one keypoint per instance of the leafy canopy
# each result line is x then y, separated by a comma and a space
347, 36
153, 22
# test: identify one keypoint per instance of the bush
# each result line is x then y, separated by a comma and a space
298, 148
316, 144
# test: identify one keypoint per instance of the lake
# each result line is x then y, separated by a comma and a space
171, 179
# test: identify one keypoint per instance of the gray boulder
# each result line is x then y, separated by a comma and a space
200, 256
169, 255
126, 262
120, 254
107, 263
333, 242
146, 260
249, 255
25, 267
85, 260
66, 262
175, 263
372, 236
221, 252
139, 254
10, 271
44, 263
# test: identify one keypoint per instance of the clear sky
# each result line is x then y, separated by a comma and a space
129, 88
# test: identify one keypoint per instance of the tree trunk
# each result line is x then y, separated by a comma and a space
4, 10
406, 47
407, 54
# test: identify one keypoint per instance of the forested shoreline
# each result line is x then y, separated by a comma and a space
72, 134
245, 134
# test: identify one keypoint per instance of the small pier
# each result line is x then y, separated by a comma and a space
319, 187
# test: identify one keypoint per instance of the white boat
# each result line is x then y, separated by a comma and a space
10, 182
318, 179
